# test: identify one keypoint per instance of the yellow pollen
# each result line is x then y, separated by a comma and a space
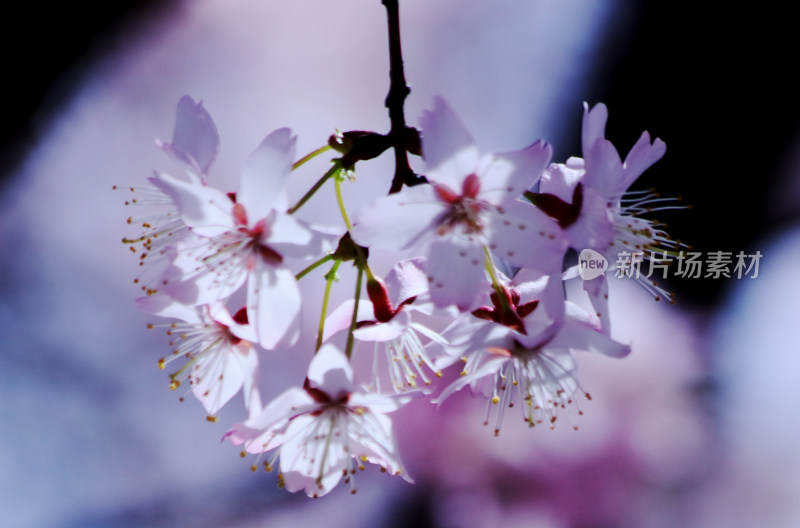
438, 373
174, 384
463, 373
161, 363
363, 458
495, 399
212, 419
253, 468
243, 453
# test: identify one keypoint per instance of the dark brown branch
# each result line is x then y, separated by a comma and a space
398, 91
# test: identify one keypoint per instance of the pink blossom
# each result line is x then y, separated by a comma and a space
588, 197
470, 207
243, 238
324, 431
526, 358
388, 321
217, 350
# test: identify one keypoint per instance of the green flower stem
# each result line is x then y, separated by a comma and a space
331, 172
342, 208
313, 266
310, 156
350, 339
329, 278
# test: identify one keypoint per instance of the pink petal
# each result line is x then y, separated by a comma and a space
265, 173
603, 168
560, 179
594, 126
448, 148
640, 158
456, 272
597, 289
195, 140
406, 279
581, 336
594, 228
525, 236
340, 318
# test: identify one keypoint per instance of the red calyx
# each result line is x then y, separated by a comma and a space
556, 208
510, 313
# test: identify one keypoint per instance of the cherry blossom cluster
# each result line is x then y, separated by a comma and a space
480, 293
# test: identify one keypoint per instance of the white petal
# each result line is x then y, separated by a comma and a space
381, 332
288, 404
207, 211
315, 453
581, 336
372, 437
217, 376
264, 175
512, 173
399, 221
273, 305
164, 306
489, 367
286, 230
330, 372
447, 147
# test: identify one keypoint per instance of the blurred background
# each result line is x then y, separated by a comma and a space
698, 427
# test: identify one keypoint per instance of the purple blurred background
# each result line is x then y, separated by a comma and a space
699, 427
